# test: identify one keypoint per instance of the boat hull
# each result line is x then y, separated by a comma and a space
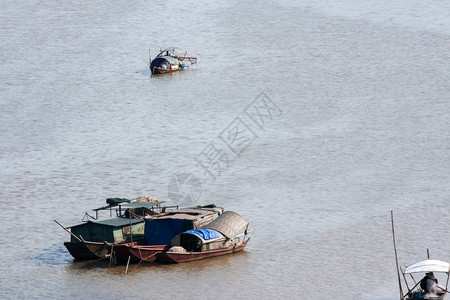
135, 253
147, 253
175, 257
440, 296
165, 64
88, 250
156, 70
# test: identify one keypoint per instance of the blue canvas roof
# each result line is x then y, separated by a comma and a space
206, 234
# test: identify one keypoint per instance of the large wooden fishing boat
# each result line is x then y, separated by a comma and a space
93, 238
173, 256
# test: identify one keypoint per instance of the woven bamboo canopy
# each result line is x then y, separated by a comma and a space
230, 224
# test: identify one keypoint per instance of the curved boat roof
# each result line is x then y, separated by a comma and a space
162, 59
172, 51
429, 265
229, 223
112, 222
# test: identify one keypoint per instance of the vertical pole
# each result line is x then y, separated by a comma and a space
131, 228
404, 278
428, 253
448, 277
149, 58
128, 263
396, 257
111, 255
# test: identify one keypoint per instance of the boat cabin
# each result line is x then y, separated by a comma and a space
125, 226
219, 233
161, 228
197, 240
114, 230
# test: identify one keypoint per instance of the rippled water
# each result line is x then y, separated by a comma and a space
359, 126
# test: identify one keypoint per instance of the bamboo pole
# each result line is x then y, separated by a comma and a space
131, 228
128, 263
448, 277
111, 255
149, 58
443, 289
138, 263
396, 257
68, 231
404, 278
404, 296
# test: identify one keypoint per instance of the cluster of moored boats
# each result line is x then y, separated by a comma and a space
142, 230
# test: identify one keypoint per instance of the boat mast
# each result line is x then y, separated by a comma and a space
149, 58
448, 277
396, 257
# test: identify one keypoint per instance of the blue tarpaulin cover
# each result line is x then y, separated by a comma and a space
206, 234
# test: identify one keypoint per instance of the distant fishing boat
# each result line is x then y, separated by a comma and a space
427, 287
160, 229
170, 60
225, 235
417, 289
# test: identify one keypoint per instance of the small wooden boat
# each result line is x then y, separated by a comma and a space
170, 60
417, 289
172, 256
222, 236
427, 287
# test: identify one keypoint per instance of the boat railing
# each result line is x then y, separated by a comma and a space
192, 60
87, 216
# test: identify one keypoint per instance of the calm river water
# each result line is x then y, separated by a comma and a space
313, 121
